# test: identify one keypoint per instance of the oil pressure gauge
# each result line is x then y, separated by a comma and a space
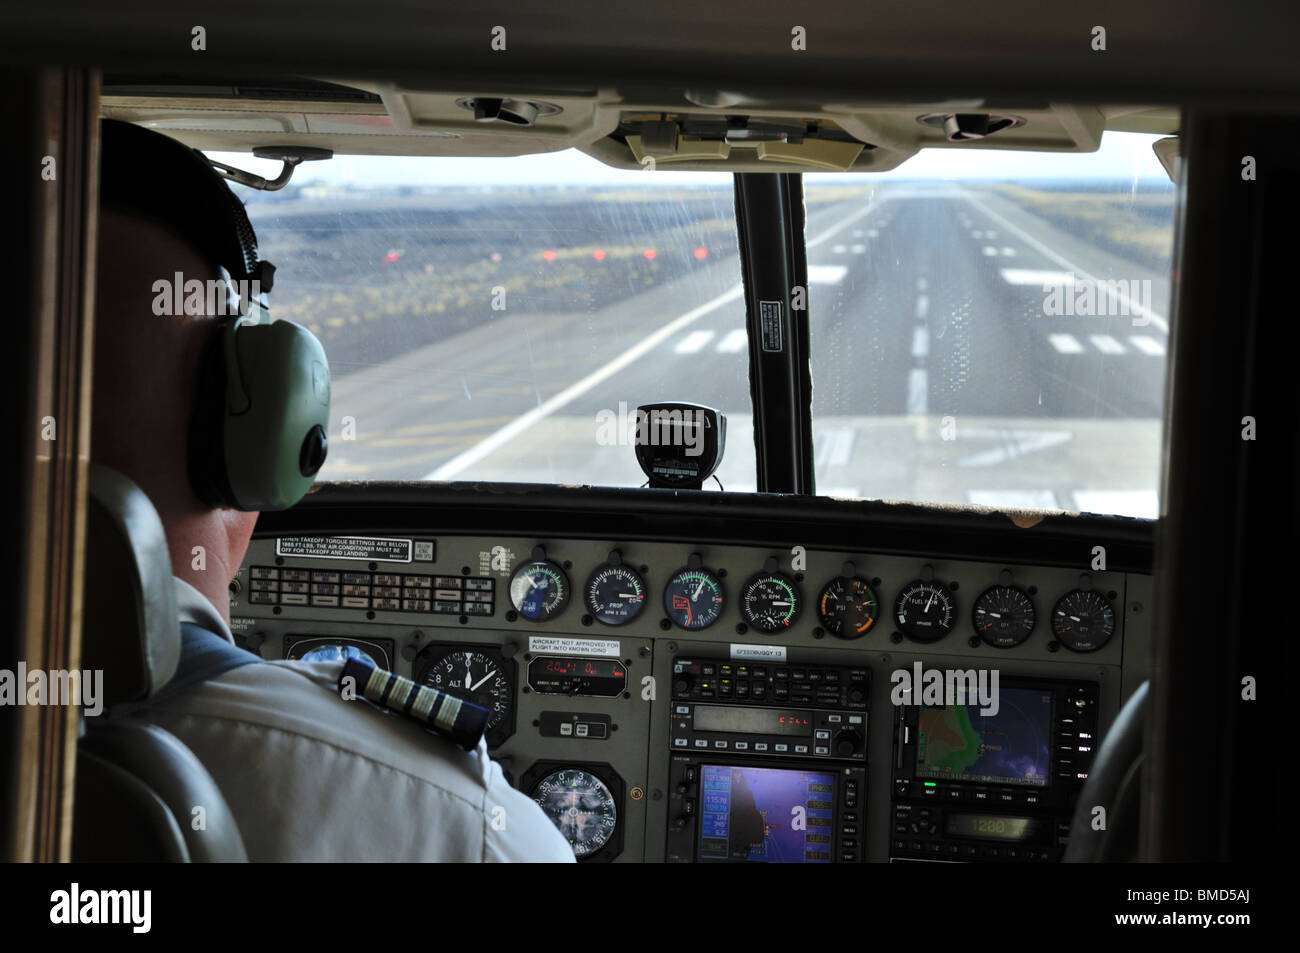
847, 605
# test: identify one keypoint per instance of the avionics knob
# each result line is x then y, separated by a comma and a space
856, 695
682, 684
848, 743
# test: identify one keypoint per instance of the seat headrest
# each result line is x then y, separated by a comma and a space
130, 628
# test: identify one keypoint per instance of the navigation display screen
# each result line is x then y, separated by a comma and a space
760, 721
771, 815
957, 743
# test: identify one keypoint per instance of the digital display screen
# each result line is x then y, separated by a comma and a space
591, 667
957, 743
767, 815
577, 676
991, 826
753, 721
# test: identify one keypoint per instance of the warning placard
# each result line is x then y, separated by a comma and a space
372, 548
771, 325
549, 645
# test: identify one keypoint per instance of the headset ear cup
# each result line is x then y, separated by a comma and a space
206, 452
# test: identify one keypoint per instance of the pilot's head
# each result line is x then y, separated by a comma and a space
213, 411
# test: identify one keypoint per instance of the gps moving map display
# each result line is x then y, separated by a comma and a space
769, 815
957, 743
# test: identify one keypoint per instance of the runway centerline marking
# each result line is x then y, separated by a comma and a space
693, 343
1065, 343
736, 340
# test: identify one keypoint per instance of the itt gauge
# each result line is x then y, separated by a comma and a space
694, 596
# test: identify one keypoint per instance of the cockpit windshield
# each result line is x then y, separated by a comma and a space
986, 328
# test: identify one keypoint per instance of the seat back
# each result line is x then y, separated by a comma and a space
141, 795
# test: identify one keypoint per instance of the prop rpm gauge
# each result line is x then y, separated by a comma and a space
1003, 616
694, 598
770, 601
925, 610
847, 607
539, 590
1083, 620
615, 594
581, 806
479, 674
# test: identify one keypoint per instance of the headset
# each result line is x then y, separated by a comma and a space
260, 412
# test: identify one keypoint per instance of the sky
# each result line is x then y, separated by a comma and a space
1122, 155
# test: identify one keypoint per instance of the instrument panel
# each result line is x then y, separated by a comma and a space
710, 703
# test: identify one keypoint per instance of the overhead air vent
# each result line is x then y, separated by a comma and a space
961, 127
516, 112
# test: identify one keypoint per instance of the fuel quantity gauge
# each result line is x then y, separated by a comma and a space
1003, 616
1083, 620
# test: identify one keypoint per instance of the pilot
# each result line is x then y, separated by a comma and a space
308, 775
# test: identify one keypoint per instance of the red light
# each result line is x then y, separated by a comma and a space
649, 254
701, 253
549, 254
392, 256
598, 254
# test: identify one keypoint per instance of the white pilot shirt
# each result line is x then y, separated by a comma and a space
312, 777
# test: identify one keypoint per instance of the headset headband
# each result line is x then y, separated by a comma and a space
155, 176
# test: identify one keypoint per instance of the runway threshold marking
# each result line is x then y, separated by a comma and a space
1134, 307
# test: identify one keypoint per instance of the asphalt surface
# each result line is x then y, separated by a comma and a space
938, 375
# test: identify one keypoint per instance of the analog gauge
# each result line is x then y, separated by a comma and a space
615, 594
770, 601
539, 590
926, 611
694, 598
336, 652
376, 652
479, 674
581, 806
1003, 616
847, 607
1083, 620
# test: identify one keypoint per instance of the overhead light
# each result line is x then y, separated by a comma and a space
962, 127
516, 112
